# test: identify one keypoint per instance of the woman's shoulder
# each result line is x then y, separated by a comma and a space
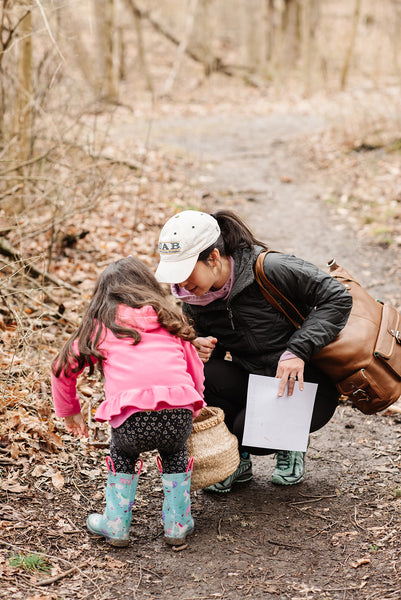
279, 260
290, 270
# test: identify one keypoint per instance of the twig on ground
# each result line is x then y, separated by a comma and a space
139, 582
61, 575
283, 545
57, 558
314, 499
219, 528
322, 531
356, 521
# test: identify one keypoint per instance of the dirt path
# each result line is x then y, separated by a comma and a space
250, 163
336, 536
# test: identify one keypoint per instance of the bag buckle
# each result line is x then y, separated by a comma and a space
360, 392
396, 335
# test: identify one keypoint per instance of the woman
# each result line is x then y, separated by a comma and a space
210, 261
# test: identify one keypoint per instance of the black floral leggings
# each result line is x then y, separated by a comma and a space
164, 430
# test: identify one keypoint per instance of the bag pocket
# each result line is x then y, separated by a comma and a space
370, 394
388, 343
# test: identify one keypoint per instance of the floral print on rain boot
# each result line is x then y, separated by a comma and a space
176, 515
115, 522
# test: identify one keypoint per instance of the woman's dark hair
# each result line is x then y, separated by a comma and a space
127, 281
234, 234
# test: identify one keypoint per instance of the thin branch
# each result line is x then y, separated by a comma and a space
51, 580
31, 161
215, 65
8, 250
49, 31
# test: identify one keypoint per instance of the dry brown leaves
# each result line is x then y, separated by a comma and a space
84, 213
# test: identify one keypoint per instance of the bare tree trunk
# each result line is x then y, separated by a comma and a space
104, 20
23, 105
309, 23
204, 34
5, 39
192, 6
141, 47
122, 70
78, 49
351, 45
291, 31
396, 21
253, 35
270, 29
23, 101
277, 26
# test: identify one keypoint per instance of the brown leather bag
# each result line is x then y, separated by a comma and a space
364, 360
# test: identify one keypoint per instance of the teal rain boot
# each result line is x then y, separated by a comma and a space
115, 522
176, 513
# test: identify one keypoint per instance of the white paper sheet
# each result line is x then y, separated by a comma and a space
277, 423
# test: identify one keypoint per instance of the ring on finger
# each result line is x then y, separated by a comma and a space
292, 377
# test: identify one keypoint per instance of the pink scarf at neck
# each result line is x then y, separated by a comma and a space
221, 294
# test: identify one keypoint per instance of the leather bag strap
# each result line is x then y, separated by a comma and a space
273, 294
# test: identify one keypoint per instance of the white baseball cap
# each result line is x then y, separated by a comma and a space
181, 240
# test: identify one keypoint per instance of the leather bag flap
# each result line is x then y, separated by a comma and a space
388, 332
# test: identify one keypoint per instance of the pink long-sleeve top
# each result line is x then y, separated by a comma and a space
162, 371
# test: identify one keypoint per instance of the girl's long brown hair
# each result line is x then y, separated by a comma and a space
127, 281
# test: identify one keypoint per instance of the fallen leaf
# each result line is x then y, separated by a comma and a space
40, 597
38, 471
86, 390
14, 488
361, 561
58, 480
8, 513
14, 450
179, 548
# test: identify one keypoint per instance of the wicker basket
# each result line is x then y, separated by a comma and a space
214, 448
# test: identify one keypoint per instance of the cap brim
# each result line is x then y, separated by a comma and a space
175, 272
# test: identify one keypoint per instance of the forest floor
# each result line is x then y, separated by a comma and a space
291, 173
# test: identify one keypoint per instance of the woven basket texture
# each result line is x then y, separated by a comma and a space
214, 448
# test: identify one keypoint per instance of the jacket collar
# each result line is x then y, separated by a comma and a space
244, 260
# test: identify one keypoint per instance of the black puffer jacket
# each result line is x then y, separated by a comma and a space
254, 332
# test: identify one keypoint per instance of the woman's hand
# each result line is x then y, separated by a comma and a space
288, 371
76, 425
204, 347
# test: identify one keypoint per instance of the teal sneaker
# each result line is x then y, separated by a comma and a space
242, 474
290, 467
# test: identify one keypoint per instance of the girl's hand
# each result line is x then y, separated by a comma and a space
76, 425
204, 347
288, 371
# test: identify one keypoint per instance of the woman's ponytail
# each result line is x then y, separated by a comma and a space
234, 232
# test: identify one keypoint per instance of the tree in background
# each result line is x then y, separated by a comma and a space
24, 98
105, 49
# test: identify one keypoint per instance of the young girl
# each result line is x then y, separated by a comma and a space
153, 389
